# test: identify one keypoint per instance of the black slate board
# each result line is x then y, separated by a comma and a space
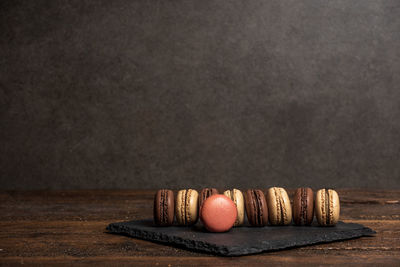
241, 240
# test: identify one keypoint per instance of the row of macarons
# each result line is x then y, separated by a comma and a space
272, 208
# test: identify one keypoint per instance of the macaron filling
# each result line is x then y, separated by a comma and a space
164, 207
186, 213
304, 206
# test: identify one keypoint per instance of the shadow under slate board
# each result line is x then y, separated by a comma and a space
239, 240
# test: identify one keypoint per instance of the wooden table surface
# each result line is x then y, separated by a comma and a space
64, 227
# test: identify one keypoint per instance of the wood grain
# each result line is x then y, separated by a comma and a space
64, 227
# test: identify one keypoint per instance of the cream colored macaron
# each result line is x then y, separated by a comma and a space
237, 197
187, 207
279, 208
327, 207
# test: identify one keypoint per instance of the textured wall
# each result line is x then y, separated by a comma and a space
149, 94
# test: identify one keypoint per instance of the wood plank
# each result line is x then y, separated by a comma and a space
131, 205
89, 239
370, 259
64, 227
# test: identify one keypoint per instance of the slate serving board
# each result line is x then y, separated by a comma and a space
240, 240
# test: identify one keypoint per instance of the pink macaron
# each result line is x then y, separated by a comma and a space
218, 213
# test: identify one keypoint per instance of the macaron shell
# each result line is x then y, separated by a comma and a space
303, 206
180, 207
171, 207
280, 210
327, 211
262, 202
192, 207
218, 213
335, 206
286, 207
250, 210
186, 207
320, 208
273, 206
206, 193
164, 207
229, 194
237, 197
256, 207
157, 208
310, 206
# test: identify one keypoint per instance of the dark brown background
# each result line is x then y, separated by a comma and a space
150, 94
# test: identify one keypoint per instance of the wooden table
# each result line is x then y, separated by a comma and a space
64, 227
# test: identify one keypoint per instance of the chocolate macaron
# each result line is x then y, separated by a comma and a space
327, 207
280, 210
186, 207
164, 207
256, 207
303, 206
237, 197
206, 193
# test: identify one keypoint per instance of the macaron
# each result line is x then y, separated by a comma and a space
303, 206
205, 193
237, 197
164, 207
280, 210
327, 207
186, 206
218, 213
256, 207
